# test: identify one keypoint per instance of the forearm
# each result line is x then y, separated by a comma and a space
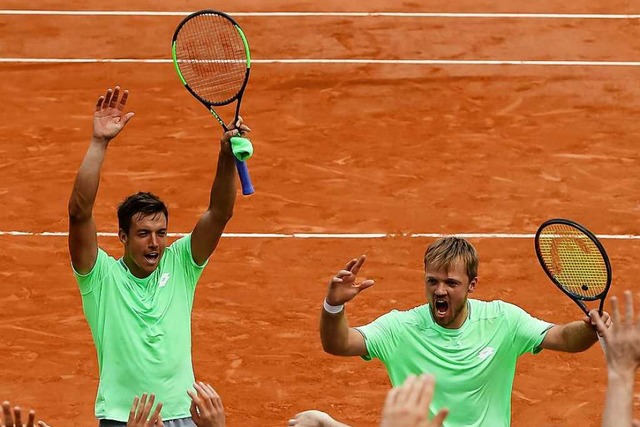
334, 332
618, 407
223, 190
578, 336
85, 187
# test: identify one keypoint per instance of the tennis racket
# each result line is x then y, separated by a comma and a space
575, 261
211, 55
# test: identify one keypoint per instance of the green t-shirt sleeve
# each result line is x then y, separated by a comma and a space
182, 250
528, 332
92, 281
381, 336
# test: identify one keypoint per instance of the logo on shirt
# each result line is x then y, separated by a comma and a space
486, 352
163, 280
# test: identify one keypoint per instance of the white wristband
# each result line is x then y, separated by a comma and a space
333, 309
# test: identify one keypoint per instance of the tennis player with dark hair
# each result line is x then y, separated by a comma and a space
469, 346
139, 306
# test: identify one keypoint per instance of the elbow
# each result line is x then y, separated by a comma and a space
77, 213
332, 347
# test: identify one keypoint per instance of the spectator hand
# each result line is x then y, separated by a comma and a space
408, 404
623, 339
13, 418
206, 406
139, 414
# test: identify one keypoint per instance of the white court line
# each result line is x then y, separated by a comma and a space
338, 61
330, 14
336, 235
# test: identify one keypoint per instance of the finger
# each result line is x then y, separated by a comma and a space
107, 98
406, 389
350, 264
114, 97
32, 418
438, 420
217, 400
148, 406
17, 414
416, 390
428, 385
6, 413
42, 424
206, 404
156, 414
356, 267
628, 300
365, 284
292, 422
194, 410
343, 273
126, 118
141, 406
615, 312
600, 327
123, 99
99, 103
392, 397
132, 411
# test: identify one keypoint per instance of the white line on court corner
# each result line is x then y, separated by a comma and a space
338, 61
330, 14
336, 235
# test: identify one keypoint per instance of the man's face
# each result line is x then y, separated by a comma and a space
447, 292
145, 243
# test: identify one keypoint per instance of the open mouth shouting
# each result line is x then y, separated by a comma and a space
441, 308
152, 257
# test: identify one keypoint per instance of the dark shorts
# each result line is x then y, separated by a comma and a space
180, 422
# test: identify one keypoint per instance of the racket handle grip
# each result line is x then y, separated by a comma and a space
245, 179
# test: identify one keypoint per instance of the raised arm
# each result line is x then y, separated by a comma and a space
108, 120
208, 230
576, 336
336, 335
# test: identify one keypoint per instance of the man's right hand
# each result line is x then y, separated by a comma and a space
109, 117
343, 287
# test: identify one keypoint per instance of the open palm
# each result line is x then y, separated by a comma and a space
343, 286
109, 117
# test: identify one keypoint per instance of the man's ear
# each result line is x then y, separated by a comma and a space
122, 236
472, 284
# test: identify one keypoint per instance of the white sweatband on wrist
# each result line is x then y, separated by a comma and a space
333, 309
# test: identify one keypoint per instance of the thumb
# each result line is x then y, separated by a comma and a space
127, 117
365, 284
439, 418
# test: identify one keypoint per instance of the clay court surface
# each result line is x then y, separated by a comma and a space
340, 148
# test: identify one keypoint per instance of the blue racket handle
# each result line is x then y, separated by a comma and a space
245, 179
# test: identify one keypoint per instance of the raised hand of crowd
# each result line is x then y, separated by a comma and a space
12, 417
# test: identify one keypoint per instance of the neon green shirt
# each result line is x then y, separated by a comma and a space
473, 366
142, 331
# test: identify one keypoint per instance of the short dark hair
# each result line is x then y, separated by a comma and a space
447, 250
143, 203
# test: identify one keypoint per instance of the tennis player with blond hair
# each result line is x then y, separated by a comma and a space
469, 346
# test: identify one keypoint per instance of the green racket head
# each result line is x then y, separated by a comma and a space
211, 55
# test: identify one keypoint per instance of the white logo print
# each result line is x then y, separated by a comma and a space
163, 280
486, 352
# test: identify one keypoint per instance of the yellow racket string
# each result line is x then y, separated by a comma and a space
574, 260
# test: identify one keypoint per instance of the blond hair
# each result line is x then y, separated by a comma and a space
446, 251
